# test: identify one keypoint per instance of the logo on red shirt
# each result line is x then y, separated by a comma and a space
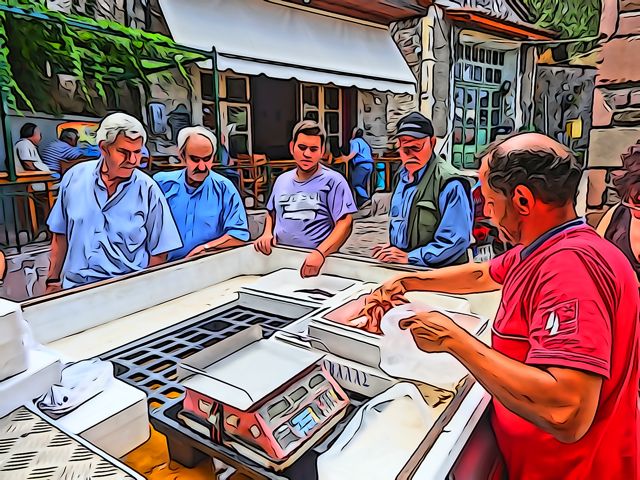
562, 318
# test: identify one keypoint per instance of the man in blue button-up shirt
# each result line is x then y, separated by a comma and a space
110, 218
452, 233
206, 206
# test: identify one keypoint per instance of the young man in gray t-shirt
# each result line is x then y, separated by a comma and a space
310, 206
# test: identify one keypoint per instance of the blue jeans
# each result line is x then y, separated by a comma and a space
360, 175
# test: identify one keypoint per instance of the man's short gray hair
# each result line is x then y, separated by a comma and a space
120, 123
186, 133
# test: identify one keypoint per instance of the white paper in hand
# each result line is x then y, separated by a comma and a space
401, 358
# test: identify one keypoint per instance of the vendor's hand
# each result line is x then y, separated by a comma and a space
264, 244
389, 295
389, 254
199, 250
433, 332
312, 264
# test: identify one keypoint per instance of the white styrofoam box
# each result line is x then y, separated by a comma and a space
44, 369
287, 284
350, 375
116, 420
13, 350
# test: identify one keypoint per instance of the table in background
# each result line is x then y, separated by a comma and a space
23, 188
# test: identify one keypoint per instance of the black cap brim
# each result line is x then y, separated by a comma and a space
416, 135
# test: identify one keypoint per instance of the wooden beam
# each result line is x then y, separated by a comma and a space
383, 12
504, 27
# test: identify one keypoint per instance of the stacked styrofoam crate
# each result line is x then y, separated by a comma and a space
13, 349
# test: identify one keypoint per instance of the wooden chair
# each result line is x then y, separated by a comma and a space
254, 176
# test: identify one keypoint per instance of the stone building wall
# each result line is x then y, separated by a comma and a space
616, 99
372, 118
564, 93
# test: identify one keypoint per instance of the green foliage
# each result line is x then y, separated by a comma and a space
98, 53
570, 18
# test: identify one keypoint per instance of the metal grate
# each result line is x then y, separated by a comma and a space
151, 365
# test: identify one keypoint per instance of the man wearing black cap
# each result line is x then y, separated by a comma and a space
431, 214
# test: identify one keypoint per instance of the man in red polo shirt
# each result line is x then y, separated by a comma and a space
563, 370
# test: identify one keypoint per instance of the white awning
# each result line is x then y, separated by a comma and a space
256, 37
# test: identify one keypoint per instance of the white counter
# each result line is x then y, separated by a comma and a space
99, 318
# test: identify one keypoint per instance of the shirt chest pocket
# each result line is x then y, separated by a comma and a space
427, 215
132, 229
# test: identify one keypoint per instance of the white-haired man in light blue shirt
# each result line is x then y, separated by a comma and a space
110, 218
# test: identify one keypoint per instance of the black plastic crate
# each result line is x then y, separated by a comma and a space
151, 365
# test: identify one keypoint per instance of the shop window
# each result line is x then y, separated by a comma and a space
206, 86
236, 89
323, 104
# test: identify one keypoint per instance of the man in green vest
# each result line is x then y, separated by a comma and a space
431, 215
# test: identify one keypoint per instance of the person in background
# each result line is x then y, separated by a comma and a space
361, 167
227, 162
563, 367
145, 156
310, 206
621, 224
25, 150
110, 218
431, 216
206, 206
65, 148
3, 267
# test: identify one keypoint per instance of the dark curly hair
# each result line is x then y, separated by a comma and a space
551, 172
627, 183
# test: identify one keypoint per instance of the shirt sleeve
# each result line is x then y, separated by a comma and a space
354, 146
499, 267
570, 322
235, 216
453, 235
57, 221
341, 200
27, 153
271, 203
73, 153
163, 235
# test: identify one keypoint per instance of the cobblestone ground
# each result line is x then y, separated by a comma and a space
27, 271
367, 233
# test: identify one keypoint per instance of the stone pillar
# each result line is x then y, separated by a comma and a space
524, 114
408, 36
435, 76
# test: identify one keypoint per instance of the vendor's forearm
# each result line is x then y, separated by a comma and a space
57, 256
553, 399
462, 279
340, 234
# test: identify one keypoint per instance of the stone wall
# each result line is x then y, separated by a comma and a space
408, 36
122, 11
172, 91
616, 99
563, 94
397, 107
372, 118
